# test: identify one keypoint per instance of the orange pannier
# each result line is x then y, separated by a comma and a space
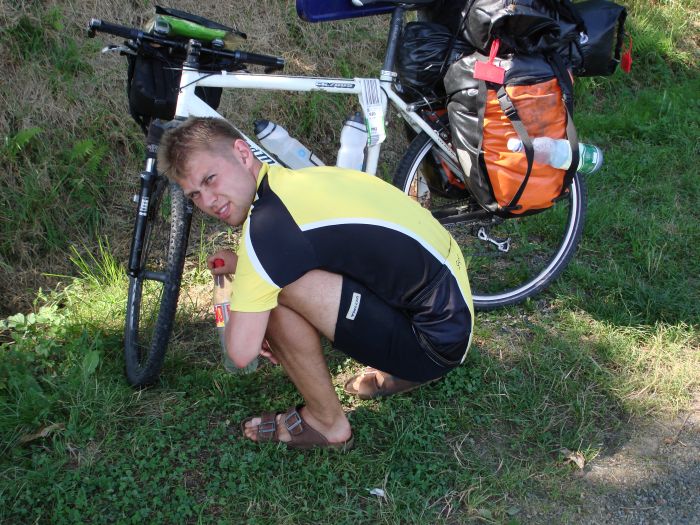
484, 115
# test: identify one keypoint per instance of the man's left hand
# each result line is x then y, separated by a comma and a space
266, 351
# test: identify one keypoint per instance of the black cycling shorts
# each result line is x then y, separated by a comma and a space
376, 334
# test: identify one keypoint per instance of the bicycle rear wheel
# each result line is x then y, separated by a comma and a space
154, 289
508, 260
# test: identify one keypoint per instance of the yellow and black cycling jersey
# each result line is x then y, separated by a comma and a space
354, 224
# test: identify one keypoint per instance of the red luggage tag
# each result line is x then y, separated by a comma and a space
488, 71
626, 59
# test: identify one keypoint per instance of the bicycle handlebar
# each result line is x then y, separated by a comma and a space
130, 33
253, 58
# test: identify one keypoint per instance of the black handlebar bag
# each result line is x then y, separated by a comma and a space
154, 82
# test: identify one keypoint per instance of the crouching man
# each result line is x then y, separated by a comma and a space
325, 251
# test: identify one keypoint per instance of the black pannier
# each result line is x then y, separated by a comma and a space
425, 52
598, 51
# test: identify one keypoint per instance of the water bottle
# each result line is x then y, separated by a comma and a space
557, 153
289, 150
222, 307
353, 139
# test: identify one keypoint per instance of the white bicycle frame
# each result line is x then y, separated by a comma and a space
189, 104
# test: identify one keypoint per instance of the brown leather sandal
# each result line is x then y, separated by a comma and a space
303, 435
372, 384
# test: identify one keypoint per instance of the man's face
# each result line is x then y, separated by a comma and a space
221, 182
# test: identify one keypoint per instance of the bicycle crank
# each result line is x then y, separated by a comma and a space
503, 245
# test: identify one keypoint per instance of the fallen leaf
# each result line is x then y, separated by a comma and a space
41, 433
573, 457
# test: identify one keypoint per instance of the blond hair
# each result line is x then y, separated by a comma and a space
193, 135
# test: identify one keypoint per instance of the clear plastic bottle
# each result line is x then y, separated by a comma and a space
289, 150
353, 140
222, 306
557, 153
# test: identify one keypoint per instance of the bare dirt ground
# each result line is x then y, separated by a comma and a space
652, 477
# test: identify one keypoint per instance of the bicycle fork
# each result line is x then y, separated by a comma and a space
148, 192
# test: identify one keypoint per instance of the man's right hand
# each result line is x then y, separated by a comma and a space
230, 262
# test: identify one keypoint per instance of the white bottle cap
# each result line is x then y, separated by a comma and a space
514, 144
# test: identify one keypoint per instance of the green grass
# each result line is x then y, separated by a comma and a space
643, 212
614, 340
474, 444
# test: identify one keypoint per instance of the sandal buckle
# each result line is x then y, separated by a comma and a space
296, 423
267, 427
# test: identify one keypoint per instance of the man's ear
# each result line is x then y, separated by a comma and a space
243, 152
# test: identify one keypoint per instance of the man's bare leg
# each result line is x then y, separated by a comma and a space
308, 306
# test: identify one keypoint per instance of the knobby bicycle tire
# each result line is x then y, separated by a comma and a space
154, 290
540, 245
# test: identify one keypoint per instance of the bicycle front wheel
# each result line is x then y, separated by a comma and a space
508, 260
154, 290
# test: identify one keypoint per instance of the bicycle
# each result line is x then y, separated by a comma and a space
509, 260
